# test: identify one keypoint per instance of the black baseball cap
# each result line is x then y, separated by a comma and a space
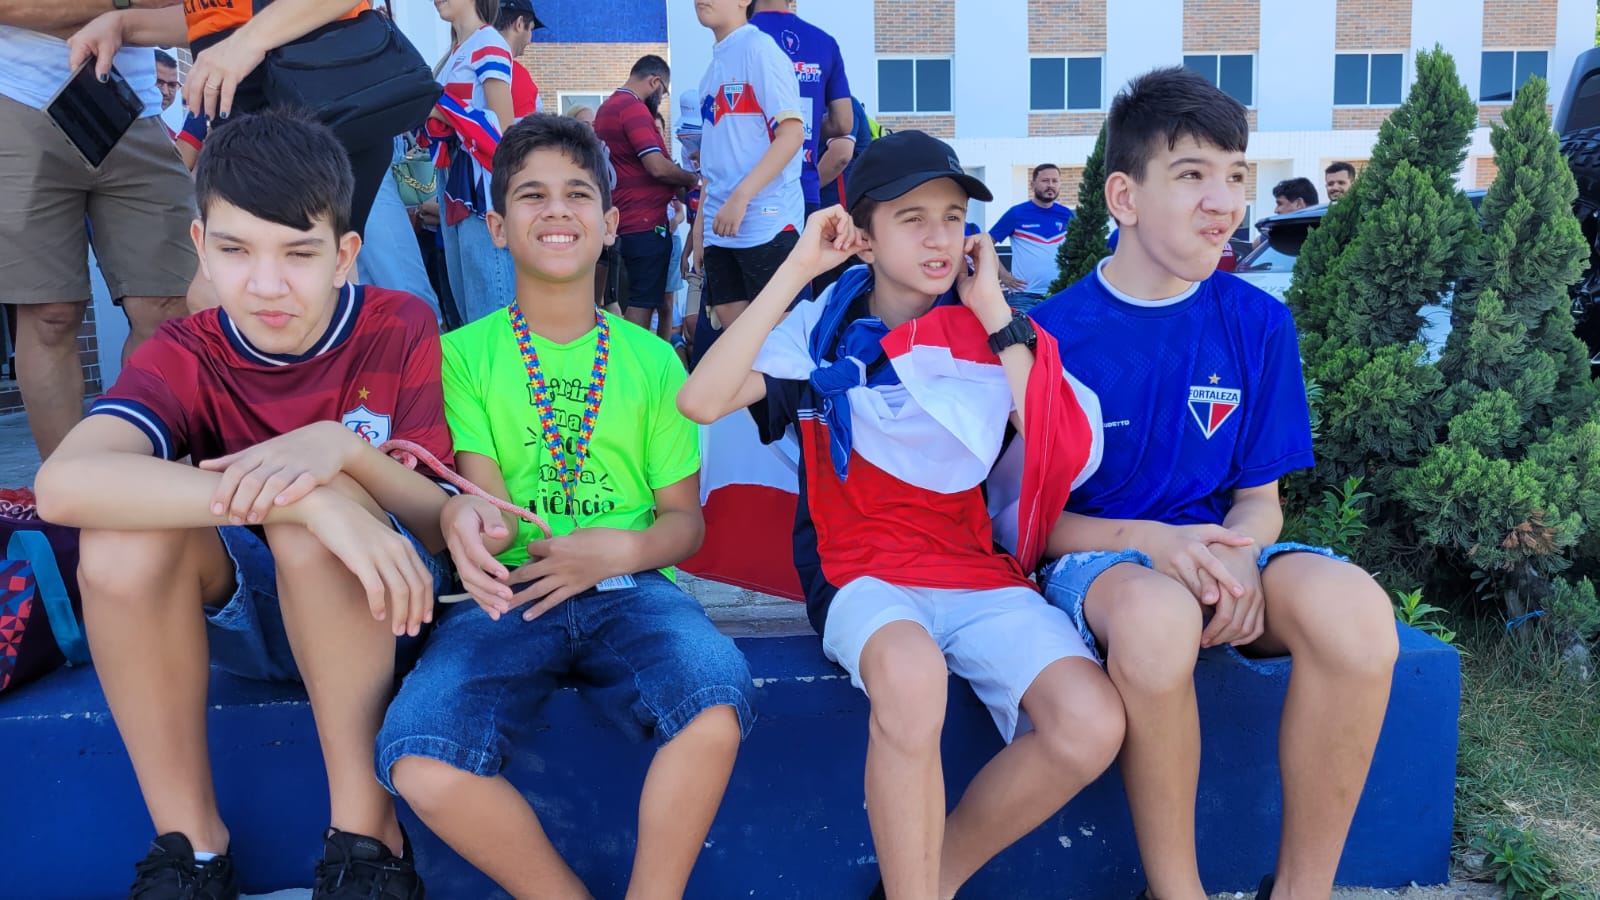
896, 163
522, 6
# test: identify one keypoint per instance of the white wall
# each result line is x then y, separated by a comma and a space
1458, 28
852, 24
991, 69
1297, 42
1139, 37
1574, 34
422, 25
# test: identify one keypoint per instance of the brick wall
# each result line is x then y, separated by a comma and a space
1058, 123
594, 69
1518, 24
1065, 26
1353, 118
1365, 25
1071, 184
1485, 170
1221, 26
938, 126
921, 27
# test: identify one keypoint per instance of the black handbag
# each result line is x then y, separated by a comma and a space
361, 77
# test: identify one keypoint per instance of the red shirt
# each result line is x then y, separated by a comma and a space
198, 388
630, 132
524, 93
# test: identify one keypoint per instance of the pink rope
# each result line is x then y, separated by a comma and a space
409, 454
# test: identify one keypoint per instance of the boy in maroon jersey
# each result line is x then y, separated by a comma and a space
294, 549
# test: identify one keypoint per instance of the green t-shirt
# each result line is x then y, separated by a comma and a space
641, 442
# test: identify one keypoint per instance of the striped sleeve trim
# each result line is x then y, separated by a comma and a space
648, 150
143, 418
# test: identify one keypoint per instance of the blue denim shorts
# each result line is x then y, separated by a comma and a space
246, 633
1066, 581
648, 656
675, 265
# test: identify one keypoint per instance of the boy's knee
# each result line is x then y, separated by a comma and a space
1351, 625
426, 784
716, 727
295, 545
907, 683
1086, 733
1154, 639
128, 565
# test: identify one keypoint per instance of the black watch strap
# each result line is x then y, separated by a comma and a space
1019, 330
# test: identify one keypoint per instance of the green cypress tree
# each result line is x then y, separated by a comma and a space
1510, 489
1085, 244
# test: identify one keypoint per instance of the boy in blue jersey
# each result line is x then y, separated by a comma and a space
1172, 544
824, 88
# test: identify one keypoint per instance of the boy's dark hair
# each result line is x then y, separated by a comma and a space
861, 214
545, 131
1042, 167
163, 58
1168, 105
277, 165
509, 17
651, 64
1296, 189
1341, 167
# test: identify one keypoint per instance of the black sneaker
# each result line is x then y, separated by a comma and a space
169, 872
1264, 890
358, 867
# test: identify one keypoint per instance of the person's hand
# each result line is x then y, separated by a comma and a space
979, 289
466, 520
1011, 282
100, 39
1186, 554
280, 471
217, 72
399, 587
830, 237
731, 215
428, 212
1241, 619
563, 567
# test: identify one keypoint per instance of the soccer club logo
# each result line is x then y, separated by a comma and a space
732, 93
1211, 405
790, 41
370, 426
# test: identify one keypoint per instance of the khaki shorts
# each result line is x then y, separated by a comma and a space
139, 204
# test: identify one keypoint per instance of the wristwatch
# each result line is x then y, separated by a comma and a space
121, 4
1019, 330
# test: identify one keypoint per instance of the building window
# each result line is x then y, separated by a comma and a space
1057, 83
914, 85
592, 101
1234, 73
1506, 71
1368, 79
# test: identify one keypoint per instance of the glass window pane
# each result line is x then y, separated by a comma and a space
1047, 84
1237, 78
1386, 80
1494, 82
1349, 79
933, 85
1083, 83
1205, 65
1529, 64
894, 86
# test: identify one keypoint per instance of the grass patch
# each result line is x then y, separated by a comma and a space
1530, 753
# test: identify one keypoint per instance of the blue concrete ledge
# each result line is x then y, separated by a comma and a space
793, 824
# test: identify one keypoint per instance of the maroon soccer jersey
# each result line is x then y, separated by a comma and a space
198, 388
630, 132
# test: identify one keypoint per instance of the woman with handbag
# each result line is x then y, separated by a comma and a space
339, 59
475, 108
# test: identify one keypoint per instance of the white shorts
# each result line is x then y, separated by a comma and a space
999, 639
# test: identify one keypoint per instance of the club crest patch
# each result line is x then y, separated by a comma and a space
370, 426
790, 41
1211, 406
732, 93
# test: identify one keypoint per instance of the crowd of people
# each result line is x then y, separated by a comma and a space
1060, 499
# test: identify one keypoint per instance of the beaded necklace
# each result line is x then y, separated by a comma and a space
568, 475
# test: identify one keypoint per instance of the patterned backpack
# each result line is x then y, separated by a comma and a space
39, 627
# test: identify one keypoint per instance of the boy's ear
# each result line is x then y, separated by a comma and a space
865, 252
497, 228
197, 233
1120, 200
349, 248
612, 218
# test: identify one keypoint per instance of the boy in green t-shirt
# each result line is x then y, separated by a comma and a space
569, 412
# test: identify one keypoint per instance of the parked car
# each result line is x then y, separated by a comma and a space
1270, 265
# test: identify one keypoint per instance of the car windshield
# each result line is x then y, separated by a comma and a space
1265, 258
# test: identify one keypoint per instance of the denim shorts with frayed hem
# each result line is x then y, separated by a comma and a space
247, 634
648, 656
1066, 581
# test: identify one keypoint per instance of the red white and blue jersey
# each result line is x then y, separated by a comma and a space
912, 509
748, 89
819, 68
1202, 395
465, 142
1036, 234
198, 388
